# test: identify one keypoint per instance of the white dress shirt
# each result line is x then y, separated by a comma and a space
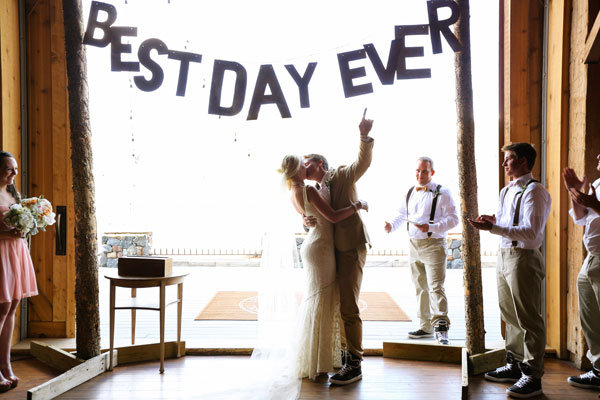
591, 221
535, 208
419, 209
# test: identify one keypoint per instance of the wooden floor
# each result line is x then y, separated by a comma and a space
194, 377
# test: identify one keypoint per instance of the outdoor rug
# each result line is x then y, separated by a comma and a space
243, 306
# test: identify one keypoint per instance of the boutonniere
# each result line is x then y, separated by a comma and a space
437, 191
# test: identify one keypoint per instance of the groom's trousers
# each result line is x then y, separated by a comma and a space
349, 267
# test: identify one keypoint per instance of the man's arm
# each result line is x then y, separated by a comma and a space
535, 205
398, 220
449, 218
588, 201
357, 169
573, 183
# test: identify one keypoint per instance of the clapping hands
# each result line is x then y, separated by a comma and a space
578, 190
483, 222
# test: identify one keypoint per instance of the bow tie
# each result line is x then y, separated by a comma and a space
419, 188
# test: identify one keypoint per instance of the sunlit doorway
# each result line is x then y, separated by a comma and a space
202, 183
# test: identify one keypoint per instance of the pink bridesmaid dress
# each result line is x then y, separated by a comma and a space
17, 277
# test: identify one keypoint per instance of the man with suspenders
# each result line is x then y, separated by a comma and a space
429, 212
586, 212
522, 213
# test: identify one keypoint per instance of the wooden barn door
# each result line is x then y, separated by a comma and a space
52, 312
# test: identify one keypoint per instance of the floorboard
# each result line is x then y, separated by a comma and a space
198, 377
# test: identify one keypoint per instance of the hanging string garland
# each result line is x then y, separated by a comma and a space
267, 89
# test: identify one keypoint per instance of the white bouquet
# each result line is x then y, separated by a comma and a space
30, 215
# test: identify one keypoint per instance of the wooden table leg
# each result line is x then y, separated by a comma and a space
162, 327
112, 324
133, 295
179, 312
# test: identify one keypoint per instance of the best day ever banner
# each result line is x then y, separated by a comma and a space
267, 90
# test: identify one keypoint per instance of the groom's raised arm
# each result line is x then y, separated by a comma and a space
365, 154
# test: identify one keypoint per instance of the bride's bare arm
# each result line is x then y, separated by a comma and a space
329, 213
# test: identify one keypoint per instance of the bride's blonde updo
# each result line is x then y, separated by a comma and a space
289, 168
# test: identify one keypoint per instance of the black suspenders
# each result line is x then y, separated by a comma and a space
433, 206
518, 207
408, 197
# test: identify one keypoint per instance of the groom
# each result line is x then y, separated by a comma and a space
350, 237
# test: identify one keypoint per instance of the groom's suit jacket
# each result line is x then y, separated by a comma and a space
350, 233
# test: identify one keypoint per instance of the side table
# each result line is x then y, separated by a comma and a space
146, 282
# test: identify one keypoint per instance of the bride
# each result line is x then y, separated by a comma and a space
318, 329
294, 343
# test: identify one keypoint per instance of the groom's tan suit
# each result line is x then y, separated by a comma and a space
350, 237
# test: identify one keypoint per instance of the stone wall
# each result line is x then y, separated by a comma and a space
119, 244
453, 244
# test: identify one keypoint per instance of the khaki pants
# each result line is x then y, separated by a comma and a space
428, 271
520, 273
349, 276
588, 289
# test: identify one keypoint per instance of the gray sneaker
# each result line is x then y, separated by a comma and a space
507, 373
419, 334
350, 372
441, 332
525, 388
589, 380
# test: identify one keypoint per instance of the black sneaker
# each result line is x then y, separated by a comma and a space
346, 375
350, 372
418, 334
345, 356
441, 332
507, 373
589, 380
526, 387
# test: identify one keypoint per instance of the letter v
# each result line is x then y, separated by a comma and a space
385, 74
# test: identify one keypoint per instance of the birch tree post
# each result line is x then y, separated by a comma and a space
467, 181
86, 278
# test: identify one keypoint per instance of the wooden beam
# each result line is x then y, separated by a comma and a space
592, 43
522, 67
73, 377
559, 28
47, 329
149, 352
464, 374
423, 352
54, 357
487, 361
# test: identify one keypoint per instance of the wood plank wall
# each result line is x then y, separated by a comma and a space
10, 81
52, 312
557, 134
522, 67
584, 146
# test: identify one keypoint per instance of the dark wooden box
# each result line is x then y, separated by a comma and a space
145, 266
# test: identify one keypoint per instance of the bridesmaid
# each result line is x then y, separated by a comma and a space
17, 277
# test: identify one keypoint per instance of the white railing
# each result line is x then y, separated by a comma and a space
171, 251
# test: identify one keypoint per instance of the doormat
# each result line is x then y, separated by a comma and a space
243, 306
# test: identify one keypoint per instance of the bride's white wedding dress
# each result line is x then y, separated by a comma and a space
319, 318
293, 341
